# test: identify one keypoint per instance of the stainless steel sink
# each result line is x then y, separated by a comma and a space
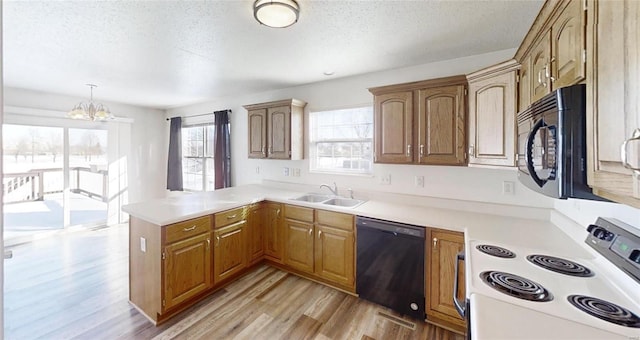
343, 202
314, 198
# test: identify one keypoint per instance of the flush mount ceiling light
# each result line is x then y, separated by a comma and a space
90, 111
276, 13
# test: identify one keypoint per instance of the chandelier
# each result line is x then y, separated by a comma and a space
276, 13
90, 111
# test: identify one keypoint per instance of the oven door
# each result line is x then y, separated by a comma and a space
538, 158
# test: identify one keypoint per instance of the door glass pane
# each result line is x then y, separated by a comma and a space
88, 176
32, 179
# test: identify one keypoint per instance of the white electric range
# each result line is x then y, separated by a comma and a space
555, 290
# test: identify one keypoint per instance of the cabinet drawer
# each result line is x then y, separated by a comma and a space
229, 217
298, 213
181, 230
334, 219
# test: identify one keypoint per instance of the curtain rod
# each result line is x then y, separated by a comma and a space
202, 114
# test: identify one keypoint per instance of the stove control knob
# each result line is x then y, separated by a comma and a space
591, 227
635, 256
602, 234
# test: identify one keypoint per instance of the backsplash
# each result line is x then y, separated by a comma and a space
585, 212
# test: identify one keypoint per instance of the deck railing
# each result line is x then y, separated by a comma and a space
33, 185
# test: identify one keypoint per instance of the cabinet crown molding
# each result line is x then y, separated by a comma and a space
284, 102
493, 70
417, 85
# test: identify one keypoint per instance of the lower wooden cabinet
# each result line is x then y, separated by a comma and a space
255, 233
321, 243
229, 253
442, 248
187, 269
274, 232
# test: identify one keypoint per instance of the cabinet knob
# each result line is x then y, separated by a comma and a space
208, 243
635, 138
217, 240
435, 242
319, 233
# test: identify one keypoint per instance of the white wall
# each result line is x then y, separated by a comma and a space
473, 184
586, 212
141, 143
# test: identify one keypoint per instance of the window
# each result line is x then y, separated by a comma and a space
342, 141
197, 157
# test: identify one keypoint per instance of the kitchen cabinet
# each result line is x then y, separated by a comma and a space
321, 244
299, 234
168, 265
394, 127
274, 232
613, 98
441, 250
421, 122
229, 254
524, 84
275, 129
255, 233
335, 248
492, 115
553, 52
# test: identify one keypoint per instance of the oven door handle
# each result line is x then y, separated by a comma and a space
460, 306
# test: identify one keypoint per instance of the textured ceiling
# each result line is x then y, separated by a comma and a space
170, 53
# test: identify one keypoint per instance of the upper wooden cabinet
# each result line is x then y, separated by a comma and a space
421, 122
394, 127
275, 129
553, 52
492, 111
613, 100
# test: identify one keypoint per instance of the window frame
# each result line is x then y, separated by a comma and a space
202, 157
314, 141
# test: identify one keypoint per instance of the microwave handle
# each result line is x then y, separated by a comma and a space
529, 153
462, 310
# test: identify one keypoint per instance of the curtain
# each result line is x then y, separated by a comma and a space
174, 166
222, 149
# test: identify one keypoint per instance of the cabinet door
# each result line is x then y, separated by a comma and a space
393, 121
441, 125
524, 84
273, 232
334, 255
187, 269
255, 233
540, 71
613, 94
229, 255
568, 65
492, 111
258, 133
279, 132
299, 245
442, 248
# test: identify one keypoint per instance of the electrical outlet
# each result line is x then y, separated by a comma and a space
296, 172
385, 179
285, 171
508, 188
143, 244
419, 181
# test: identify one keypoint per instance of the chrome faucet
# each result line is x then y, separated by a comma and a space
334, 190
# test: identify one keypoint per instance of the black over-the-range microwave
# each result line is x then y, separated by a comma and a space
552, 151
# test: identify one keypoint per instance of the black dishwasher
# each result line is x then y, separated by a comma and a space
390, 265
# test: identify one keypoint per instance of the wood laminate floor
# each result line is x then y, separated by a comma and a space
75, 286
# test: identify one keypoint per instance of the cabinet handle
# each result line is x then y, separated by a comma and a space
189, 229
208, 243
217, 240
472, 151
552, 78
310, 231
232, 216
264, 150
435, 243
539, 77
269, 150
635, 136
278, 213
319, 233
409, 150
421, 149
